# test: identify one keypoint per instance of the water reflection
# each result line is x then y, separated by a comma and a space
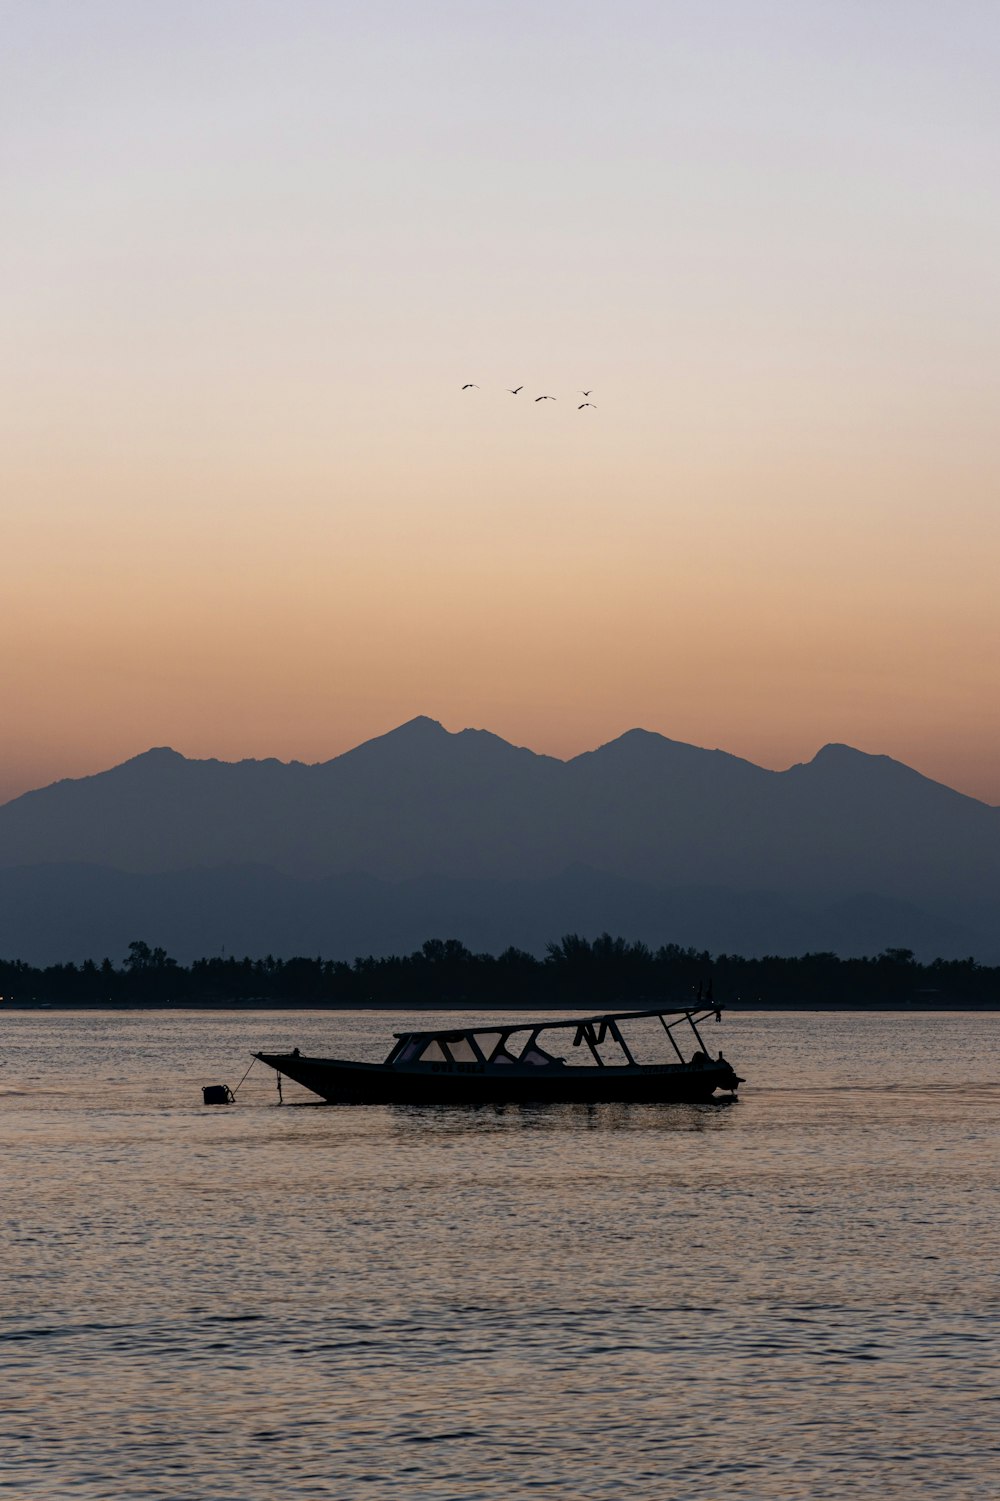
559, 1116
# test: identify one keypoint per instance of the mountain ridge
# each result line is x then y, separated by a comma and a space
426, 730
425, 804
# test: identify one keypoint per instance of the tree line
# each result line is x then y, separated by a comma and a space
597, 974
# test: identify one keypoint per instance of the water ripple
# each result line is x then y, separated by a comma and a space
793, 1299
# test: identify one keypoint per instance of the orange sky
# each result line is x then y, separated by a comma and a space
246, 509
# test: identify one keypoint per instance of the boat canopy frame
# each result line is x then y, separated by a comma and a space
591, 1030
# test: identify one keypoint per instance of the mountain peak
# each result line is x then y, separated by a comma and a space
631, 742
838, 757
851, 771
160, 755
414, 732
424, 743
422, 725
650, 751
158, 761
838, 750
638, 736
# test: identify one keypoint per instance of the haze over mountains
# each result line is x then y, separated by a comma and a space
426, 833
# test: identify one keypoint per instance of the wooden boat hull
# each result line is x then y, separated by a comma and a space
342, 1082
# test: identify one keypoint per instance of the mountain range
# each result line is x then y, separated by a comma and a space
422, 833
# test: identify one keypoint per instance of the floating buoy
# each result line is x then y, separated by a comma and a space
218, 1094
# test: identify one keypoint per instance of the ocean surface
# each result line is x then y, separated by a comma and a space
797, 1295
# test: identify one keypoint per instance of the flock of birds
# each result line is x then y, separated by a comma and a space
470, 385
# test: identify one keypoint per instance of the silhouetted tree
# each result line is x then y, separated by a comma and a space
594, 974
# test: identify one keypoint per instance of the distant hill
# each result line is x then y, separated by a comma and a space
422, 832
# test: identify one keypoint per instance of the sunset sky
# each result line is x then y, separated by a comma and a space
251, 252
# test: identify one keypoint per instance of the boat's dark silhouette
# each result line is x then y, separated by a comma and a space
472, 1065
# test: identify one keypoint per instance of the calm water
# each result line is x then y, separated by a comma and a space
796, 1296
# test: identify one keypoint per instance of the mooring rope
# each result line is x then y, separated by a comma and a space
252, 1062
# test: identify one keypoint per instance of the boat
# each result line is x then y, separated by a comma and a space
505, 1062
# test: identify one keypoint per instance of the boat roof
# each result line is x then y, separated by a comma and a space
452, 1034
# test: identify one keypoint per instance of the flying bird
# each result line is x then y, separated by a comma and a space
470, 385
587, 404
586, 393
546, 398
515, 390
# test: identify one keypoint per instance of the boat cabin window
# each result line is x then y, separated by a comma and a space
537, 1056
487, 1043
430, 1050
